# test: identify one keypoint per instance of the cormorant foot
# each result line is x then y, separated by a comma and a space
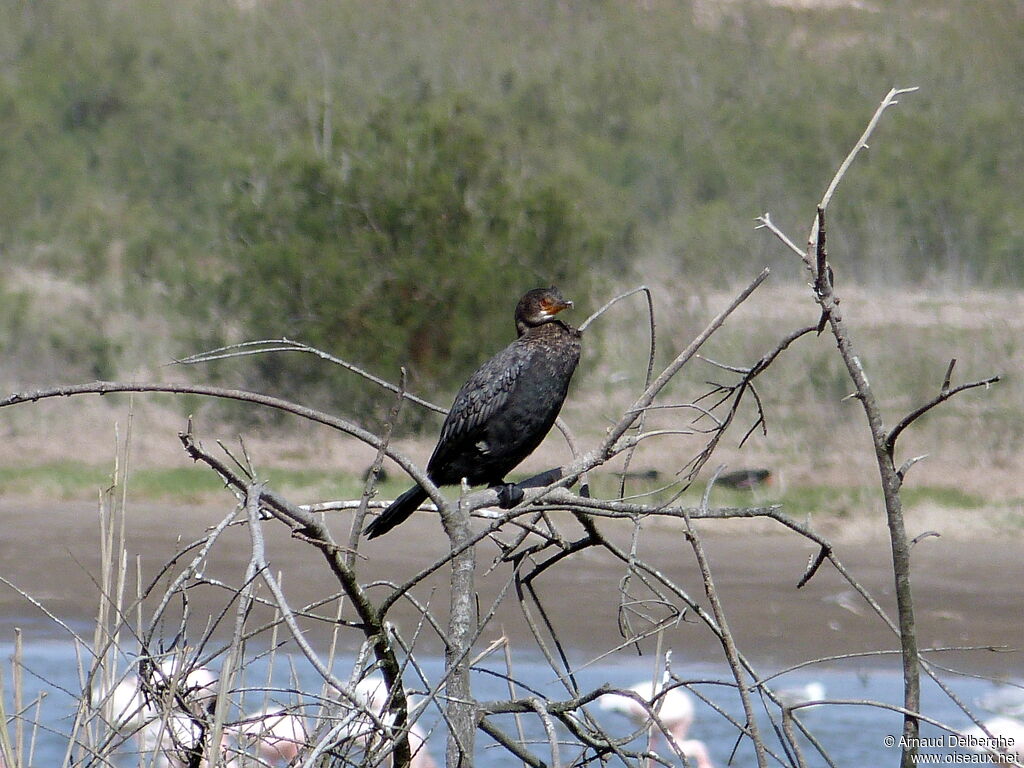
509, 494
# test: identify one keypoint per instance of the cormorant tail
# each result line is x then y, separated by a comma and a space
396, 514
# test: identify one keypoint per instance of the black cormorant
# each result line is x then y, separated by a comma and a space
505, 409
745, 479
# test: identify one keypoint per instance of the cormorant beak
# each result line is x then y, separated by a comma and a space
553, 308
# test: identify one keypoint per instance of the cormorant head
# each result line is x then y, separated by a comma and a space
539, 306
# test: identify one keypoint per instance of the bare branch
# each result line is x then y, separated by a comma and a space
681, 359
906, 465
728, 642
318, 534
944, 394
815, 260
764, 221
310, 414
369, 488
862, 144
269, 346
609, 304
813, 565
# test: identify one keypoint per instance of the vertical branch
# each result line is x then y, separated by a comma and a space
549, 731
6, 748
234, 658
19, 726
816, 260
891, 482
316, 533
728, 642
370, 486
512, 688
862, 144
461, 628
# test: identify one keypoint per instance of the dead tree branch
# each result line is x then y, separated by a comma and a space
815, 258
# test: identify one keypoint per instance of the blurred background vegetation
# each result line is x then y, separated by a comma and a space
382, 178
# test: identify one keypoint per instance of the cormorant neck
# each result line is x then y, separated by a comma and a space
543, 329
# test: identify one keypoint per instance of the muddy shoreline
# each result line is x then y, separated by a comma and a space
967, 588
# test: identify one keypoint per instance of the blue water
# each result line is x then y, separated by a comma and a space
853, 735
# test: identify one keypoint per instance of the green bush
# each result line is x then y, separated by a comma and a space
409, 247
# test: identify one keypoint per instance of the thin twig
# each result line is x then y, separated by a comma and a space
725, 635
268, 346
944, 394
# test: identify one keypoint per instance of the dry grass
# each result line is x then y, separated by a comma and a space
814, 437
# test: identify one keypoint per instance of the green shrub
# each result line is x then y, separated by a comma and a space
409, 247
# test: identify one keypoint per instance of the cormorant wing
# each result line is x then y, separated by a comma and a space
483, 395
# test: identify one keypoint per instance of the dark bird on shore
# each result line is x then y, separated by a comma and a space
643, 474
382, 474
505, 409
745, 479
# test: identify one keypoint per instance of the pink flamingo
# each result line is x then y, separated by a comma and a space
1008, 733
168, 741
124, 708
674, 707
373, 694
195, 685
164, 737
276, 734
